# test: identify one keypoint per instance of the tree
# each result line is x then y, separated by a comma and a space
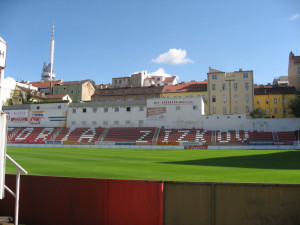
94, 84
258, 113
295, 105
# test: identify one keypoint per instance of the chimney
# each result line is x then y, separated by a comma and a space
240, 70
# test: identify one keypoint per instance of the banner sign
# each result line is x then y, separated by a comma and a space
173, 102
17, 116
156, 113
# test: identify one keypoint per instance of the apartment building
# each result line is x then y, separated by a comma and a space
77, 90
294, 70
230, 93
274, 100
194, 89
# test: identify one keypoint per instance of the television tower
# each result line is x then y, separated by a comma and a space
47, 74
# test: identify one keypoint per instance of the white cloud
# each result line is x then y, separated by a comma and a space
294, 17
173, 56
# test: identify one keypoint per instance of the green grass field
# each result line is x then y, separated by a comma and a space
262, 166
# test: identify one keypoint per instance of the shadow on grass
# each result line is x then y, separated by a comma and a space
282, 160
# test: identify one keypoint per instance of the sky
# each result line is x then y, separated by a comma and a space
105, 39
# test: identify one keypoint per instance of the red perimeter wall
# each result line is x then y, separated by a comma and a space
62, 200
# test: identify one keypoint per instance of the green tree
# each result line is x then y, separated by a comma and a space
9, 101
258, 113
295, 105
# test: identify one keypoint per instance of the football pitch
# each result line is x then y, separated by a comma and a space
261, 166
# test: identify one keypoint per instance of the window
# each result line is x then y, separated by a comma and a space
258, 101
72, 91
119, 100
298, 69
117, 109
105, 109
235, 86
245, 75
73, 122
141, 108
247, 85
247, 109
105, 123
83, 123
235, 109
94, 123
214, 77
59, 106
267, 111
223, 87
120, 81
224, 109
214, 98
195, 107
284, 111
116, 122
78, 91
107, 100
214, 110
247, 97
224, 98
267, 101
84, 110
213, 87
127, 122
130, 99
235, 98
177, 107
275, 100
284, 100
275, 111
94, 110
127, 109
158, 79
74, 110
141, 122
37, 107
116, 82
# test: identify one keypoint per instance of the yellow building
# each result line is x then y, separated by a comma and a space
230, 93
187, 90
274, 99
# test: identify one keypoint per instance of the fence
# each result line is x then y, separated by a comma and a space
61, 200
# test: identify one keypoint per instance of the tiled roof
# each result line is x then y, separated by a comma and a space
211, 70
128, 91
71, 83
40, 95
274, 90
44, 83
186, 87
170, 79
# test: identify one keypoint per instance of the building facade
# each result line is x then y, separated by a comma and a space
230, 93
78, 90
274, 100
126, 94
196, 89
294, 70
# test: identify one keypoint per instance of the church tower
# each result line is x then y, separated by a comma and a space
47, 74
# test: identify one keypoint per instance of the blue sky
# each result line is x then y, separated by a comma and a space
103, 39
